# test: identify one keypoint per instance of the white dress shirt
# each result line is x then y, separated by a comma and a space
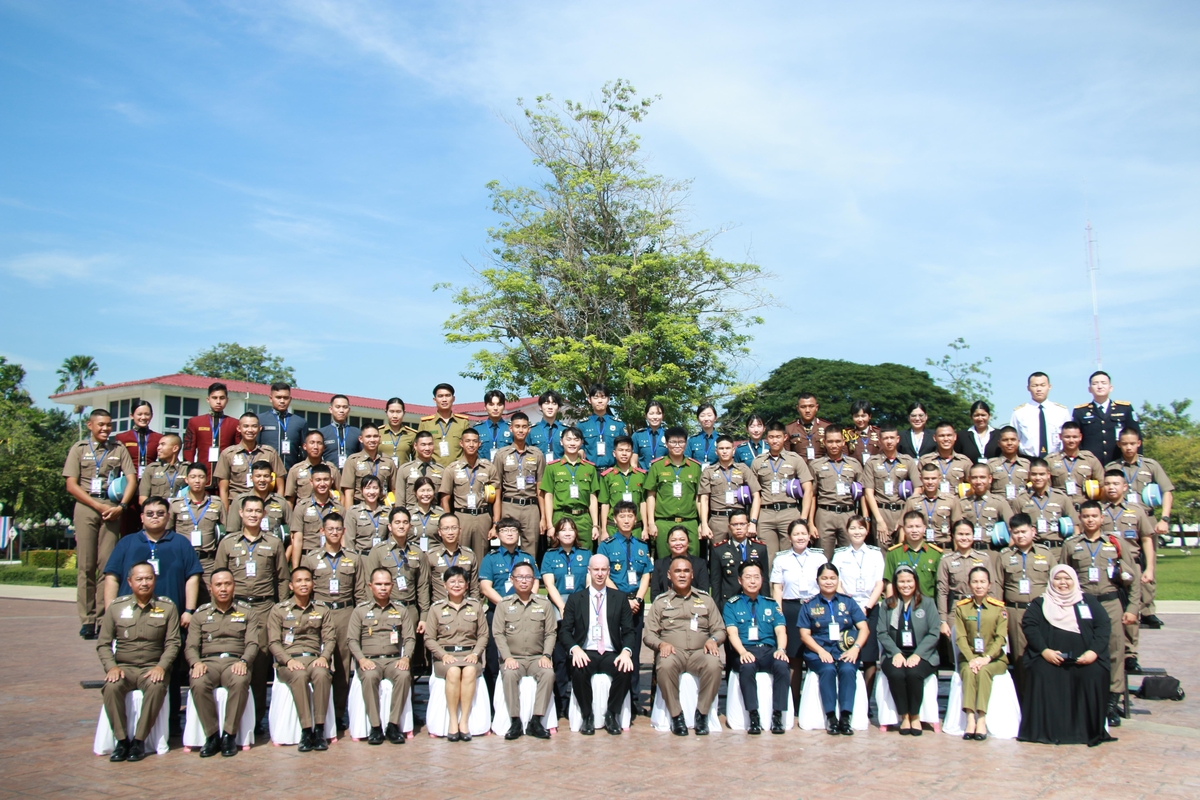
797, 572
1025, 420
597, 618
859, 570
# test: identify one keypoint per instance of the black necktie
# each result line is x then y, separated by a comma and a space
424, 467
1042, 450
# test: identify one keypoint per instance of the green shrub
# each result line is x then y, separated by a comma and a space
45, 558
33, 576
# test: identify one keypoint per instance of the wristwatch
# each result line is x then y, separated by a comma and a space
753, 521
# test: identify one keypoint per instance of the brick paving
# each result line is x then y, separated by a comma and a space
47, 722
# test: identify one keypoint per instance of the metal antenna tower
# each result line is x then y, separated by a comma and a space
1092, 269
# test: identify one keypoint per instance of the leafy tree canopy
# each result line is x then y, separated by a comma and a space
234, 362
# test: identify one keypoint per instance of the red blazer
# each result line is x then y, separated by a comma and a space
198, 438
140, 458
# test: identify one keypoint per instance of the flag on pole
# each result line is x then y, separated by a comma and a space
6, 531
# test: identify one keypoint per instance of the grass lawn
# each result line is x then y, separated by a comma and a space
1178, 574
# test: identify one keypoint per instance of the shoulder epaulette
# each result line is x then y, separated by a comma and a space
608, 471
1083, 405
365, 603
896, 547
656, 460
164, 599
462, 416
842, 548
639, 470
934, 547
871, 546
320, 604
1020, 406
694, 461
995, 602
125, 598
204, 606
241, 604
428, 417
1123, 403
965, 601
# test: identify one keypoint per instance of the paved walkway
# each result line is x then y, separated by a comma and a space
49, 722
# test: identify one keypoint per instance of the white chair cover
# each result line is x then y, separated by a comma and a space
689, 696
360, 726
601, 684
812, 714
885, 705
528, 688
156, 740
437, 716
1003, 714
285, 722
736, 716
193, 731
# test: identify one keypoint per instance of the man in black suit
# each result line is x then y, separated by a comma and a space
1103, 419
727, 558
597, 630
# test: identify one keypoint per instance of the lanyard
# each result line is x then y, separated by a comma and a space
332, 560
172, 480
838, 467
859, 556
728, 476
598, 605
573, 469
319, 507
425, 520
946, 466
977, 504
448, 559
143, 439
1094, 553
394, 439
1008, 469
340, 432
756, 451
678, 470
495, 434
890, 464
98, 461
250, 548
203, 511
1114, 517
474, 471
930, 507
1071, 469
398, 567
375, 516
775, 462
153, 546
1136, 469
1041, 507
907, 615
829, 602
910, 561
446, 430
283, 423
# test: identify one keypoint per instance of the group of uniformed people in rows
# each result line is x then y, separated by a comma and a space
356, 503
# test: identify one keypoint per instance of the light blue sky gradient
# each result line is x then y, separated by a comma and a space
299, 174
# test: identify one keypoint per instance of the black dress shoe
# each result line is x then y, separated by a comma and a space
1132, 667
263, 727
514, 729
212, 746
611, 725
464, 736
777, 722
755, 724
981, 737
588, 726
844, 725
915, 731
375, 736
88, 632
831, 723
1152, 621
536, 729
701, 721
229, 745
137, 750
394, 734
306, 741
453, 737
1113, 714
319, 742
679, 726
120, 751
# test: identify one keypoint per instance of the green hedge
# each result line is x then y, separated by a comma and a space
45, 558
32, 576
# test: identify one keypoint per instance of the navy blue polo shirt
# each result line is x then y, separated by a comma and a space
177, 561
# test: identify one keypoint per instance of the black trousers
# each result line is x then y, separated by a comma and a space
581, 681
491, 656
907, 685
764, 661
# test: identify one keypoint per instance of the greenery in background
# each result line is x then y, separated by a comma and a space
233, 362
836, 384
1172, 438
1178, 574
594, 276
76, 373
32, 576
968, 380
33, 447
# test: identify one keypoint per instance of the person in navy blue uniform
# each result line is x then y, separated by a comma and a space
650, 442
725, 563
564, 572
495, 583
703, 446
494, 432
282, 429
600, 429
341, 439
1103, 419
630, 568
833, 629
756, 445
546, 435
758, 637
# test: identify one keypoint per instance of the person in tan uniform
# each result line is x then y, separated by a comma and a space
309, 515
90, 467
366, 521
1130, 523
833, 478
1010, 470
232, 472
1139, 472
422, 466
200, 517
525, 631
445, 426
396, 438
939, 509
469, 487
1025, 570
773, 511
884, 474
984, 509
1045, 505
456, 635
980, 626
717, 496
366, 462
260, 579
405, 562
952, 466
339, 584
1071, 468
806, 435
276, 510
954, 572
862, 440
521, 468
1106, 571
137, 644
301, 638
449, 553
222, 643
164, 476
299, 478
686, 629
382, 639
425, 513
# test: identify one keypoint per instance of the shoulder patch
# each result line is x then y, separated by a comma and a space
935, 548
895, 547
993, 601
1083, 405
428, 418
964, 601
461, 416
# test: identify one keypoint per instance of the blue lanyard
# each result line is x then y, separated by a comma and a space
173, 479
1094, 553
143, 440
98, 461
474, 471
425, 520
1071, 469
153, 548
1042, 505
282, 425
910, 561
890, 464
836, 468
332, 561
250, 548
495, 433
754, 612
374, 516
830, 604
946, 467
771, 461
573, 469
930, 507
215, 429
445, 431
907, 615
1136, 469
203, 511
448, 558
977, 504
727, 475
398, 567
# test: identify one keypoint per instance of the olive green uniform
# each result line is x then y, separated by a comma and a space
520, 475
616, 486
360, 465
219, 639
201, 523
1104, 568
145, 637
438, 560
953, 579
446, 436
339, 599
526, 632
1131, 524
276, 511
1010, 479
777, 511
980, 631
398, 446
571, 486
235, 462
674, 488
412, 471
940, 513
834, 505
303, 634
1045, 511
924, 560
299, 480
983, 513
366, 529
307, 518
383, 635
160, 479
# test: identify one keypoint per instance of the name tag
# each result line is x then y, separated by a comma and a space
978, 533
289, 637
574, 491
264, 524
728, 498
251, 568
810, 452
1024, 586
752, 633
141, 470
596, 636
214, 454
889, 486
695, 623
1085, 611
443, 448
944, 486
906, 639
508, 587
472, 501
1071, 488
196, 538
569, 582
1042, 527
334, 585
285, 447
401, 582
860, 584
153, 562
930, 534
601, 448
677, 489
978, 644
423, 543
842, 489
1010, 492
1093, 575
835, 630
627, 497
633, 578
1133, 499
1131, 534
774, 487
249, 483
97, 486
341, 461
395, 637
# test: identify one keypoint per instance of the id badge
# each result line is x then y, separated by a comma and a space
97, 486
508, 587
729, 498
1085, 611
835, 630
860, 584
141, 470
289, 637
1093, 575
1133, 499
492, 454
944, 486
395, 461
841, 489
694, 625
334, 585
444, 448
423, 543
889, 486
627, 497
677, 489
471, 500
1112, 570
574, 491
376, 541
264, 524
1042, 527
810, 452
930, 534
1024, 586
569, 582
249, 483
865, 457
153, 562
394, 638
322, 544
752, 633
1071, 488
978, 644
774, 487
341, 462
596, 637
906, 639
401, 582
978, 533
251, 568
1010, 492
633, 578
601, 448
196, 537
285, 447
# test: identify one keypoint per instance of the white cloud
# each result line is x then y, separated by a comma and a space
48, 267
133, 113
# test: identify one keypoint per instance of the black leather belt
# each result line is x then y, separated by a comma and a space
248, 599
836, 509
337, 605
521, 501
206, 554
891, 506
1016, 605
779, 506
1104, 598
475, 512
728, 512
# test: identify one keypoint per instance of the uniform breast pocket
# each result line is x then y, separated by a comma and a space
210, 628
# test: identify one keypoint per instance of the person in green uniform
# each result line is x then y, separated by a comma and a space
981, 623
672, 484
570, 488
622, 482
923, 556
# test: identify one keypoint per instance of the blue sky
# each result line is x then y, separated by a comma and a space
299, 174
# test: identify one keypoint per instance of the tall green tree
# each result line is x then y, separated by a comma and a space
594, 277
77, 373
234, 362
1172, 437
969, 380
891, 388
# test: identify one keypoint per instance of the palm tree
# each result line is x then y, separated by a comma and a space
74, 375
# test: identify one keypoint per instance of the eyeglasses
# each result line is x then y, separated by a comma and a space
154, 514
